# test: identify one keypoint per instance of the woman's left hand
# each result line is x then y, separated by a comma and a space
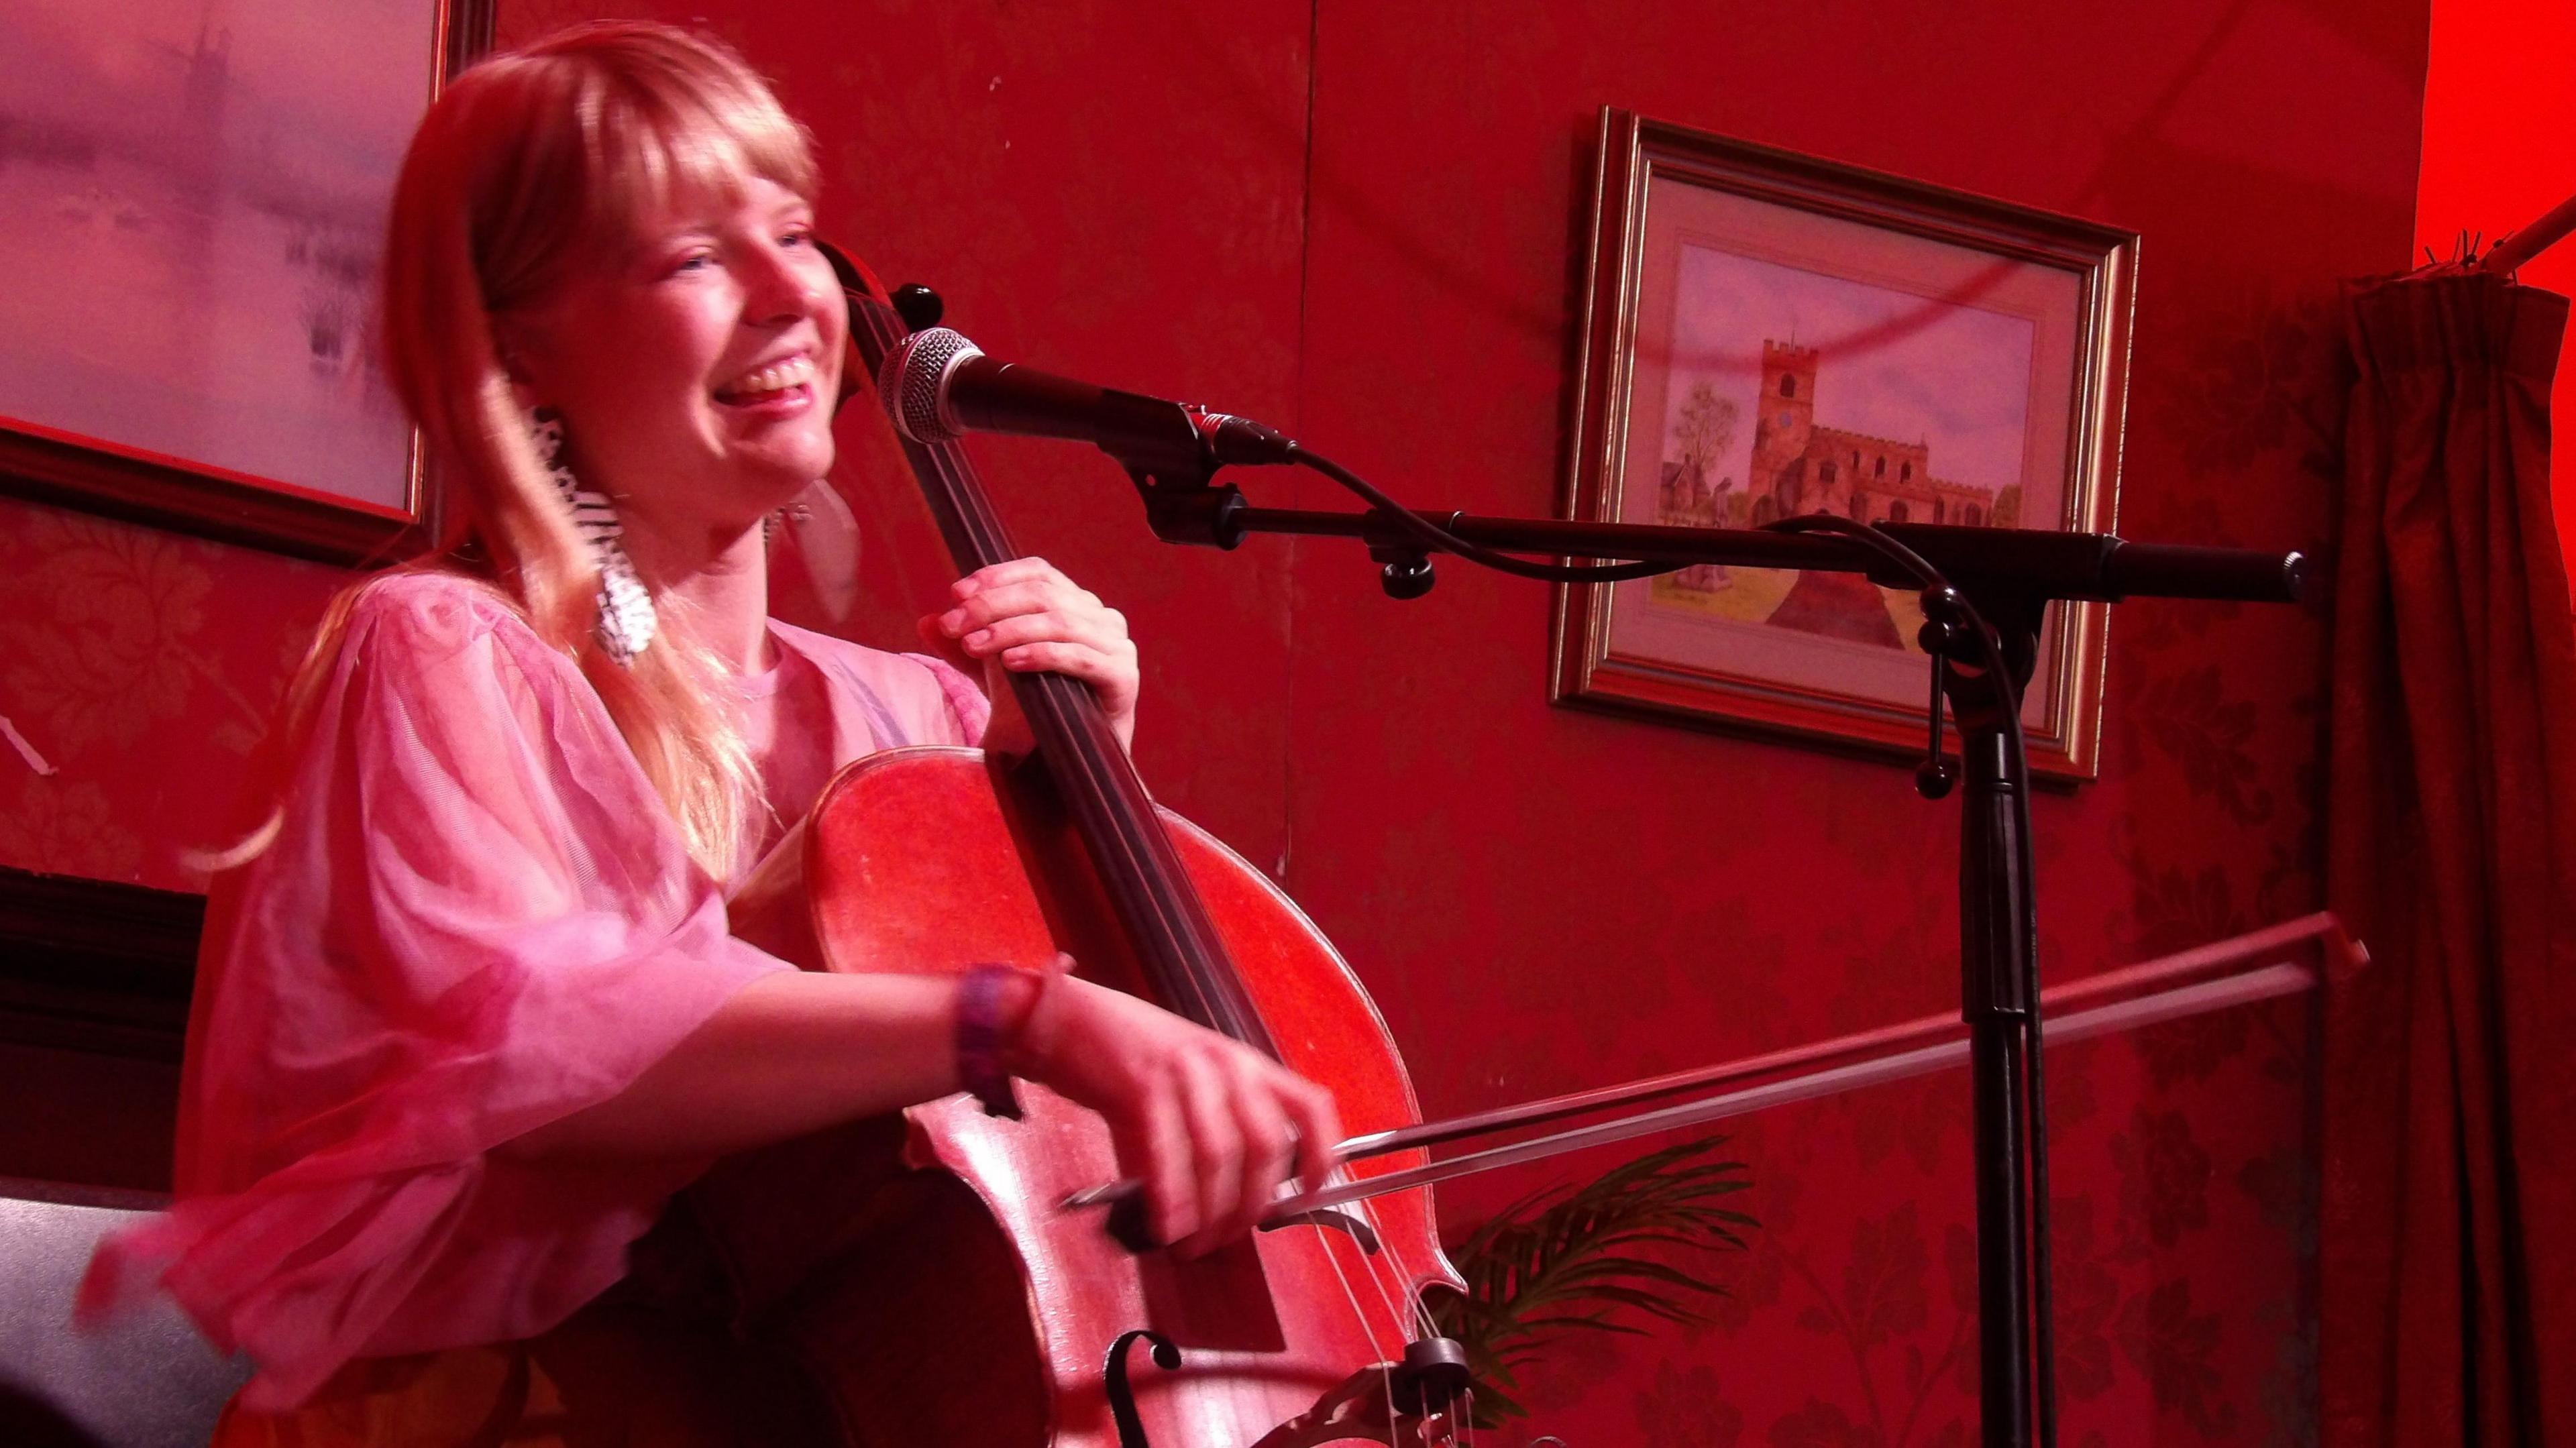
1025, 615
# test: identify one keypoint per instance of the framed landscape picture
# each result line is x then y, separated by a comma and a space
192, 207
1767, 335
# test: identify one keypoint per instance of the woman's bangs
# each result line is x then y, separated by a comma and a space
675, 155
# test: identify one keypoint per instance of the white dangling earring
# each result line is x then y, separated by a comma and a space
626, 619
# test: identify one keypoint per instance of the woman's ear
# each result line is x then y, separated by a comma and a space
512, 343
520, 392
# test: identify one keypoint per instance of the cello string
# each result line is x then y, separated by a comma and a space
1402, 1293
1333, 1259
1390, 1299
1404, 1274
1401, 1301
1429, 1328
1387, 1301
1359, 1309
1423, 1326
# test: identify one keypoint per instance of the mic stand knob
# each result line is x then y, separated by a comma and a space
1934, 778
1403, 571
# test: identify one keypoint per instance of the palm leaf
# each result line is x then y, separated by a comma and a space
1565, 1259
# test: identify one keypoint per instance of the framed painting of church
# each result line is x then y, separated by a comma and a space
1766, 335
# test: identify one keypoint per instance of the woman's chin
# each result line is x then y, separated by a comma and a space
783, 472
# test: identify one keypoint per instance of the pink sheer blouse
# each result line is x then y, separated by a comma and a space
477, 919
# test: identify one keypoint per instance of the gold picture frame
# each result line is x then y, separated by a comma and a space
1766, 334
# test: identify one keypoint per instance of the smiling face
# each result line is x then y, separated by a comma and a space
695, 368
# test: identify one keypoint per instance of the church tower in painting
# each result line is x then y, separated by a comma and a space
1782, 428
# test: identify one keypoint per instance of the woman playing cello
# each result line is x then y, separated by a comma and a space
469, 1010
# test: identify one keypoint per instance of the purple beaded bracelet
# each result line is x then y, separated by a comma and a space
980, 1038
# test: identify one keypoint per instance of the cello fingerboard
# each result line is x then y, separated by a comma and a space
1166, 923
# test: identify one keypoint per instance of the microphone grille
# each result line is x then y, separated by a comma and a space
913, 383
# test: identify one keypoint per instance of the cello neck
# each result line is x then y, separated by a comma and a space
1165, 922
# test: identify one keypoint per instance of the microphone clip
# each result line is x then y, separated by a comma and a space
1183, 506
1183, 502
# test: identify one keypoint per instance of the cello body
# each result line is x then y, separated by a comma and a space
924, 1274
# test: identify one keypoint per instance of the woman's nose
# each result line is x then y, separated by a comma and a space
778, 290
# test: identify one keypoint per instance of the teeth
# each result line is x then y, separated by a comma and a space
775, 377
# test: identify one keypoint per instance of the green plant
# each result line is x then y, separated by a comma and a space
1564, 1260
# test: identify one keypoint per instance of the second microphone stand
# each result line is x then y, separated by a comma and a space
1984, 602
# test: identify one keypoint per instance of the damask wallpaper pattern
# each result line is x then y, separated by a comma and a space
141, 666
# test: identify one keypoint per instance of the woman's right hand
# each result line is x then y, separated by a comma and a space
1211, 1126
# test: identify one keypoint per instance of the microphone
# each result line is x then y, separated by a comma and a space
937, 386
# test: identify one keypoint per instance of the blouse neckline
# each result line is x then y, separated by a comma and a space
767, 682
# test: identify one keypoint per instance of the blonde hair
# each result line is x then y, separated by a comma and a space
530, 164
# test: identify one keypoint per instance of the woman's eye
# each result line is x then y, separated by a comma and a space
694, 261
797, 237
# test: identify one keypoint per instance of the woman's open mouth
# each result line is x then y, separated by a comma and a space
783, 386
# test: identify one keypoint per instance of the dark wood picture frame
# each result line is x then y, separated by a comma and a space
1590, 668
188, 496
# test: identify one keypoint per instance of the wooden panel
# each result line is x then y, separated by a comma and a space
96, 966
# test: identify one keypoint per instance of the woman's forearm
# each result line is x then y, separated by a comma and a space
787, 1054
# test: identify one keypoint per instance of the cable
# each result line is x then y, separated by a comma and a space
1432, 535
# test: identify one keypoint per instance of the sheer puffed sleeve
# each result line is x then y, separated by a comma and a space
476, 919
966, 713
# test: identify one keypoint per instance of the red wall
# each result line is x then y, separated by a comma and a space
1358, 220
1545, 899
2500, 150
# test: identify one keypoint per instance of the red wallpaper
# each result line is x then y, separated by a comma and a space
1357, 220
1546, 899
141, 666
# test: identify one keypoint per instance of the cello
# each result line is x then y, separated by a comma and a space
936, 1292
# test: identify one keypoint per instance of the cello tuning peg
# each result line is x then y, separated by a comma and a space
919, 306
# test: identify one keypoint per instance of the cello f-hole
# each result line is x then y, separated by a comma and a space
1122, 1397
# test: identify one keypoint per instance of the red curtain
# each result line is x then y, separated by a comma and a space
2448, 1268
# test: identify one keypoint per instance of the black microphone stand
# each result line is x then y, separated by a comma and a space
1985, 597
